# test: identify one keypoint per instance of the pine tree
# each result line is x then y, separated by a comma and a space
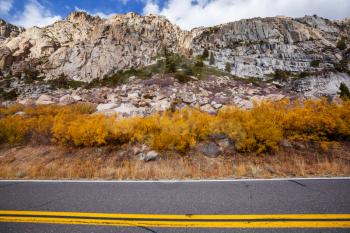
205, 54
228, 67
344, 92
211, 59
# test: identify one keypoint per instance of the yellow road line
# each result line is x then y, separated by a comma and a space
193, 221
177, 216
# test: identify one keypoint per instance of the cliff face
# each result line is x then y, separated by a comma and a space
257, 47
85, 47
8, 30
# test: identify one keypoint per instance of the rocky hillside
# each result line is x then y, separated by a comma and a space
306, 56
257, 47
8, 30
85, 47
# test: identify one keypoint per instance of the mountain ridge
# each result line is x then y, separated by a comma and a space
77, 46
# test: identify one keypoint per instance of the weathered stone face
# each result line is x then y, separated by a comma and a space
85, 47
8, 30
257, 47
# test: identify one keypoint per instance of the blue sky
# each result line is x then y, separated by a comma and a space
64, 7
185, 13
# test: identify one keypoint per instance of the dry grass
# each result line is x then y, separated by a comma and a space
52, 162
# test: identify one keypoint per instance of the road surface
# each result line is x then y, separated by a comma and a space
301, 205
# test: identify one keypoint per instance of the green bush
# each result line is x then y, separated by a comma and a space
315, 63
199, 63
344, 92
11, 95
63, 82
32, 76
205, 54
211, 59
304, 74
341, 44
342, 66
281, 74
228, 67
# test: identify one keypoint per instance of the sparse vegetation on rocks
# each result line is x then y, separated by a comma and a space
282, 75
341, 44
228, 67
315, 63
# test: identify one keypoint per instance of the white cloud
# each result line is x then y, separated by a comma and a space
98, 13
35, 14
189, 13
5, 6
151, 8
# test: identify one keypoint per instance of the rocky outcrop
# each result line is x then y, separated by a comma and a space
144, 97
320, 85
8, 30
85, 47
260, 46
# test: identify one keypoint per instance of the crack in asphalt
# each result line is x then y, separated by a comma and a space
148, 229
250, 195
298, 183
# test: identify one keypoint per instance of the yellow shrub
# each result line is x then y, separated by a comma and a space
257, 129
82, 108
180, 130
229, 123
134, 129
43, 110
342, 119
40, 127
60, 126
13, 129
12, 109
317, 120
261, 134
92, 130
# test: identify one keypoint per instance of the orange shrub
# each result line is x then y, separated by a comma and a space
13, 129
10, 110
92, 130
40, 128
317, 121
259, 129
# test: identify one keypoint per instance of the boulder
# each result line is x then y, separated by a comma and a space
150, 156
216, 105
209, 149
161, 105
66, 100
44, 100
208, 108
77, 98
20, 113
128, 109
26, 102
104, 107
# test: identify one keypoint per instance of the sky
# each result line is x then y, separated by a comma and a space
185, 13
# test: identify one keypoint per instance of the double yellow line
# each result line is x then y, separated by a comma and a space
193, 221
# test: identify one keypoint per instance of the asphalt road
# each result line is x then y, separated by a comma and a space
310, 196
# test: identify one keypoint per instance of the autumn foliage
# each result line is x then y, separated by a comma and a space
259, 129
